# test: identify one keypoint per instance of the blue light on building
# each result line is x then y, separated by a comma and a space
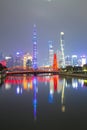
34, 48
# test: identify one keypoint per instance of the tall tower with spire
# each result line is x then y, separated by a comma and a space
34, 47
62, 49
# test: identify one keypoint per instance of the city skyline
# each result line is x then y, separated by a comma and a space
51, 17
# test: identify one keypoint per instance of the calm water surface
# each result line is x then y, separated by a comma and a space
43, 102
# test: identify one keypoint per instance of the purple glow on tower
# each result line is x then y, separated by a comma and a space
34, 48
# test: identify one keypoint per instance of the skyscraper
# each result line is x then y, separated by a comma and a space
55, 64
62, 49
34, 48
83, 60
51, 53
74, 60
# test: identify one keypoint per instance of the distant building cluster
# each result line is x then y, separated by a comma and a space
26, 60
74, 60
23, 60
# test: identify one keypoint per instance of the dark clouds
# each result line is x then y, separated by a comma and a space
18, 16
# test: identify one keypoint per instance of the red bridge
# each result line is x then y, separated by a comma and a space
21, 70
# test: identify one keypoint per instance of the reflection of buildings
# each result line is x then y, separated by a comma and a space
57, 86
55, 81
62, 97
85, 83
51, 91
27, 83
35, 96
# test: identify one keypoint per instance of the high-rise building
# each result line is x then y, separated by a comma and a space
83, 60
34, 48
9, 61
51, 53
74, 60
55, 63
68, 60
62, 49
18, 59
27, 60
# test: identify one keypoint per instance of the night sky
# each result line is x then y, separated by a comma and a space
17, 18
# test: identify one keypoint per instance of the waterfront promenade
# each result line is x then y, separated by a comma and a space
78, 75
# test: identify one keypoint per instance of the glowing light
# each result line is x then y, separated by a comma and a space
34, 48
63, 108
17, 53
74, 84
7, 86
7, 57
25, 84
51, 91
19, 90
62, 33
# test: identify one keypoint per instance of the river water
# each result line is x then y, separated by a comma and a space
43, 102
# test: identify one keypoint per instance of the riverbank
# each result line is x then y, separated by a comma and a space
2, 74
77, 75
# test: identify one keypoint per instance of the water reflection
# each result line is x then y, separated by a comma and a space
57, 85
62, 97
35, 89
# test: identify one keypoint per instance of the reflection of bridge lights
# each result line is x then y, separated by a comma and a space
7, 86
19, 90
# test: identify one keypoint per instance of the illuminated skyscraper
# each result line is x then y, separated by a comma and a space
51, 53
27, 60
34, 48
74, 60
62, 49
83, 59
55, 64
